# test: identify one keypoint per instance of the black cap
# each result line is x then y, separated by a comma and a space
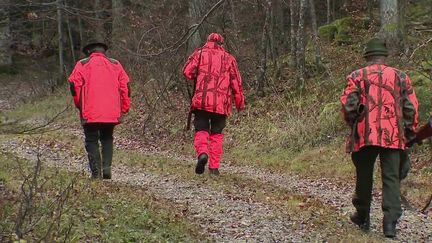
92, 44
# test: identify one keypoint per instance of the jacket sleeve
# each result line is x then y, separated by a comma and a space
125, 92
236, 86
76, 81
350, 100
190, 68
409, 107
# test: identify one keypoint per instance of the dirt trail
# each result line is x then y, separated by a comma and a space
228, 218
413, 225
223, 217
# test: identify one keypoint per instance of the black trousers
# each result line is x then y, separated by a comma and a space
208, 121
103, 132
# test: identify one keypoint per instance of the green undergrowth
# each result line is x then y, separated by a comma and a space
95, 211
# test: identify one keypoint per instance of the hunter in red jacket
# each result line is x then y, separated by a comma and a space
218, 81
99, 86
380, 106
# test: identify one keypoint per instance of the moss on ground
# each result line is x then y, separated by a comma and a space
327, 32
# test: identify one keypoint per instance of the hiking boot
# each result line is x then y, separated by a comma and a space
362, 220
214, 172
106, 173
389, 229
202, 161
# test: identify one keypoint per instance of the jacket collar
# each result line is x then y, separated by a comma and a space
97, 54
213, 45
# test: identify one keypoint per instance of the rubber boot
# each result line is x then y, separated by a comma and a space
107, 154
389, 228
216, 150
201, 163
362, 219
202, 150
92, 148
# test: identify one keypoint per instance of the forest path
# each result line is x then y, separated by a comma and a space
229, 207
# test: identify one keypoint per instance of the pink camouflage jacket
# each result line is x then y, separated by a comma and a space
381, 107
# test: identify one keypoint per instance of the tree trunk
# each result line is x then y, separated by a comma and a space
5, 37
81, 32
402, 6
117, 24
196, 11
233, 18
391, 25
70, 36
315, 33
301, 43
328, 11
293, 41
60, 36
264, 54
270, 32
99, 30
279, 26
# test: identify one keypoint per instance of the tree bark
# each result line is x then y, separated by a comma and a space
270, 32
60, 36
196, 10
293, 40
391, 25
99, 30
315, 33
5, 36
71, 41
81, 32
328, 11
264, 54
117, 24
301, 43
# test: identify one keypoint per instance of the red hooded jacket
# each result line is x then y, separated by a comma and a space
381, 107
218, 78
99, 86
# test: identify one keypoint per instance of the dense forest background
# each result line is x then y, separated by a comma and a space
293, 56
297, 52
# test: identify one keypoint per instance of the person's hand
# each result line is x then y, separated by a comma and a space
413, 141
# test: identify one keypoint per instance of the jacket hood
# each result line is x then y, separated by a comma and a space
215, 37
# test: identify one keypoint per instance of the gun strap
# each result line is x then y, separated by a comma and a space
366, 115
354, 132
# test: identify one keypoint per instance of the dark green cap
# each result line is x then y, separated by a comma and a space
375, 47
92, 44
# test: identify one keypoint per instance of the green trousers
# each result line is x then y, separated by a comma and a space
364, 161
